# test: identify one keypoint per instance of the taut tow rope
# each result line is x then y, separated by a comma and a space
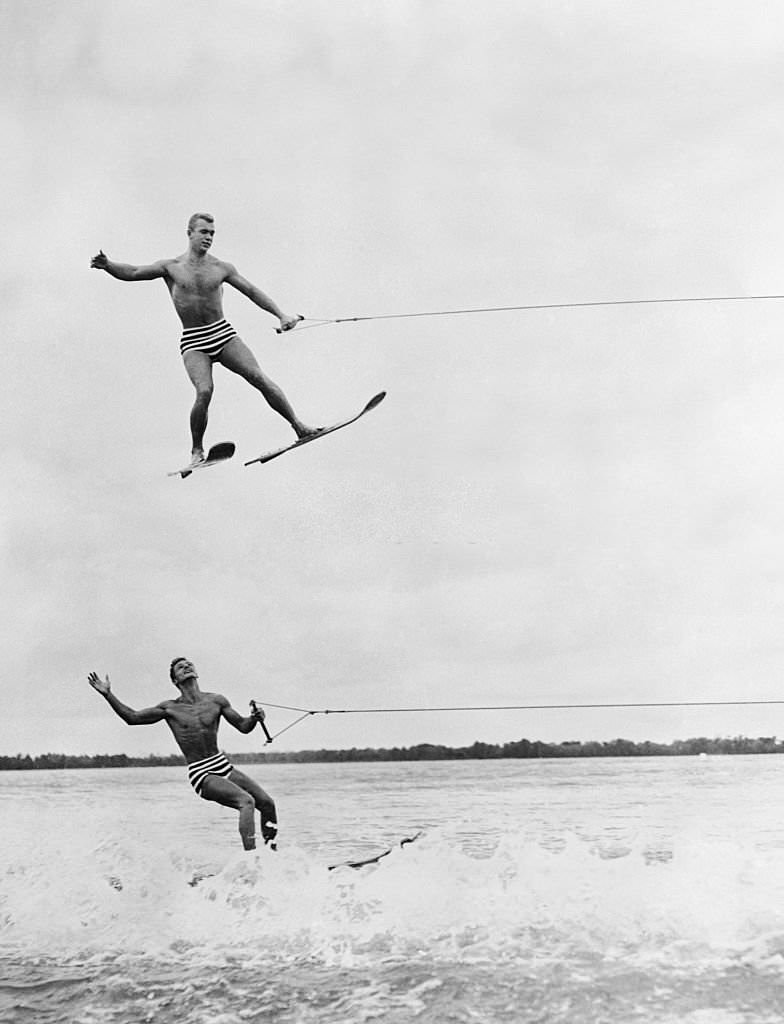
311, 322
306, 713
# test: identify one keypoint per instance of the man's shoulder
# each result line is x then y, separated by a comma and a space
214, 698
165, 265
226, 267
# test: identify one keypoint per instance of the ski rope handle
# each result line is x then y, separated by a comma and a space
255, 710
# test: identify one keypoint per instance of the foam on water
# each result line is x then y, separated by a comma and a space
694, 905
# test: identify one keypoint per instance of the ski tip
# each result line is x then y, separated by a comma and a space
376, 400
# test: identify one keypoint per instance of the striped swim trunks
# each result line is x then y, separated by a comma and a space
209, 338
216, 764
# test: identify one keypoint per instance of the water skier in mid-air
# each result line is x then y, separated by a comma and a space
195, 281
193, 718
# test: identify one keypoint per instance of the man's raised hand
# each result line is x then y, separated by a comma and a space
99, 262
101, 685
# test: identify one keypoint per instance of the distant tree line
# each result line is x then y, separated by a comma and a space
25, 761
530, 749
425, 752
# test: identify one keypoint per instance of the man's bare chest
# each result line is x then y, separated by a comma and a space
203, 715
195, 280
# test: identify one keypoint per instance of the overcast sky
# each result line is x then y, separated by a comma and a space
563, 506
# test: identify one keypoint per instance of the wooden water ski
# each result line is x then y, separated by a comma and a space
360, 863
218, 453
269, 456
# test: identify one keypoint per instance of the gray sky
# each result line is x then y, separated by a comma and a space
576, 505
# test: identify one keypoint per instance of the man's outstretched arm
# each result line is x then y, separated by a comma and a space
260, 298
145, 717
126, 271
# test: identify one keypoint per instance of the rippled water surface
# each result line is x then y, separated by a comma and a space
541, 891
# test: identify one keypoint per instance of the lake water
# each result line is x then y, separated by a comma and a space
606, 890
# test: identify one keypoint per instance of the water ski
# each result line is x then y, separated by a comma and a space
374, 401
361, 862
376, 858
218, 453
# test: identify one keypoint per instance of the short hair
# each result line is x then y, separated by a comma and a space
171, 667
200, 216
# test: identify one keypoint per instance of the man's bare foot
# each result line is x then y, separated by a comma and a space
302, 431
197, 456
269, 832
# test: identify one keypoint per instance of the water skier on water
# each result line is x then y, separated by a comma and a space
195, 281
193, 718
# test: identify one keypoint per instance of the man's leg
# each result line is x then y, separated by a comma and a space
263, 802
199, 368
222, 791
237, 357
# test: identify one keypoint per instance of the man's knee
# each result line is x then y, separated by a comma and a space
245, 801
204, 393
267, 807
